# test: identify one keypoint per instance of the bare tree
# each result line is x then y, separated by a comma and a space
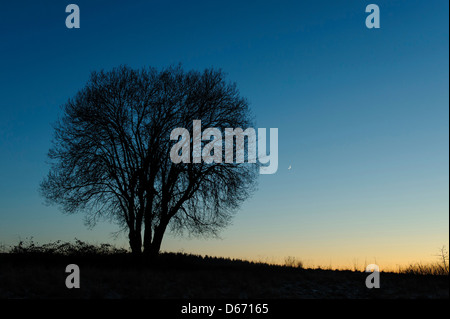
111, 154
443, 255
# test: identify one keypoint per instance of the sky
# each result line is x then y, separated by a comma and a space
362, 117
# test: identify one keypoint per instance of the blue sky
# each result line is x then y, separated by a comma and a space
362, 116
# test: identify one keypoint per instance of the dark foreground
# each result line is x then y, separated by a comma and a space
181, 276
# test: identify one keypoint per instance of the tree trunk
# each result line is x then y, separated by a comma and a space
135, 242
147, 237
148, 218
152, 249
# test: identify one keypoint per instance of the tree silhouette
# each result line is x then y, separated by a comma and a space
111, 154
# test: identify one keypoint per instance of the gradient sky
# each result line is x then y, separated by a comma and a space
362, 115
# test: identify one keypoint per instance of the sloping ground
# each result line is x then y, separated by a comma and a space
186, 276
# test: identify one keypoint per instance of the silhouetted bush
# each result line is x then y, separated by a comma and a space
78, 248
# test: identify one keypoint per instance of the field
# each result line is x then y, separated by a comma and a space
30, 271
